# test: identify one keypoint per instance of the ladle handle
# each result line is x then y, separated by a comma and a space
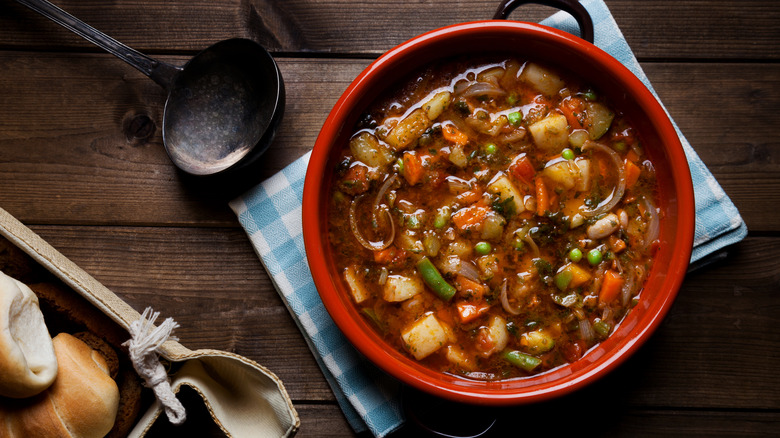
573, 7
158, 71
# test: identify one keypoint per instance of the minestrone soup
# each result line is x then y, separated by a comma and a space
493, 219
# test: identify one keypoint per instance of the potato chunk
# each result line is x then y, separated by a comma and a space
408, 130
424, 336
356, 286
583, 184
537, 341
542, 79
437, 104
400, 288
563, 173
503, 187
494, 337
551, 133
367, 149
459, 358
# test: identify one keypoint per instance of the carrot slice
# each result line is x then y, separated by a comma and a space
413, 168
632, 172
610, 286
384, 256
542, 197
522, 169
469, 217
469, 197
453, 134
616, 244
468, 312
573, 109
470, 289
632, 156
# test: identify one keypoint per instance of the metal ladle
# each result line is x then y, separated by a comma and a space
223, 106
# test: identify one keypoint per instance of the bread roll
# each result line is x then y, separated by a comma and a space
27, 361
81, 403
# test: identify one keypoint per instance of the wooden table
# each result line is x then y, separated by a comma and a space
82, 163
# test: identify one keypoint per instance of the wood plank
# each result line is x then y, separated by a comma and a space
718, 347
729, 113
667, 29
69, 144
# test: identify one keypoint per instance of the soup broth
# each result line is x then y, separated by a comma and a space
493, 218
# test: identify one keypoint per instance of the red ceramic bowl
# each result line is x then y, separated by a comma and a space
595, 67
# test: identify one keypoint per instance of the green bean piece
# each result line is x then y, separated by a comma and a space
434, 280
522, 360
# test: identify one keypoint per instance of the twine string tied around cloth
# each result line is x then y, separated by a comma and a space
142, 346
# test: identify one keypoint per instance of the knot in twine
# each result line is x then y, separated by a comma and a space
142, 346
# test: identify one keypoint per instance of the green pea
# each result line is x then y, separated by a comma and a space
589, 95
594, 257
567, 154
575, 255
515, 118
491, 148
511, 99
483, 248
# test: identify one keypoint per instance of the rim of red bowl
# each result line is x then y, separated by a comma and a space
677, 206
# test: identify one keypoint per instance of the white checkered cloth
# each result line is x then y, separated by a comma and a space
271, 215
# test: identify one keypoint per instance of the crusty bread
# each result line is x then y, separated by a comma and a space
64, 310
82, 401
67, 311
27, 361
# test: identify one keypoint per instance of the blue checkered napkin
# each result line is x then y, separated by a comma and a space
271, 215
718, 223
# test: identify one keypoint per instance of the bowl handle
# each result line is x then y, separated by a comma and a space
573, 7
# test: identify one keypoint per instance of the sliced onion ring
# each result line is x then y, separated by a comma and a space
475, 89
617, 192
505, 301
653, 224
468, 270
530, 241
382, 190
373, 246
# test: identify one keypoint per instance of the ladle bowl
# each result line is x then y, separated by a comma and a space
223, 106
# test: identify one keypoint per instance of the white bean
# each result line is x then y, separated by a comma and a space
623, 218
604, 227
